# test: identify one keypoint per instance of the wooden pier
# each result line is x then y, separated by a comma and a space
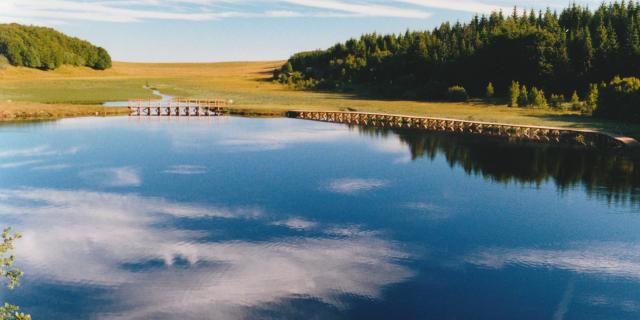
178, 108
511, 132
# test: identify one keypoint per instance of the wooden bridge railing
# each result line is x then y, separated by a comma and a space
508, 131
178, 107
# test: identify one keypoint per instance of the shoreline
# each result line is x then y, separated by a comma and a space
24, 113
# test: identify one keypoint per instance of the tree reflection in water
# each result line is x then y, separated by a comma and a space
611, 175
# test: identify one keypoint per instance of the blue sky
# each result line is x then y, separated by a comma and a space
231, 30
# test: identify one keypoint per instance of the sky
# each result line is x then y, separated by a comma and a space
242, 30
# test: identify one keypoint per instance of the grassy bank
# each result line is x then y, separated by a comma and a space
69, 90
18, 111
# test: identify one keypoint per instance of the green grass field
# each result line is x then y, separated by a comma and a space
247, 84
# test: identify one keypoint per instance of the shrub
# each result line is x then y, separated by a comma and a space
457, 93
620, 100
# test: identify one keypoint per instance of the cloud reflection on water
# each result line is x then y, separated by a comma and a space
355, 185
599, 258
114, 177
88, 238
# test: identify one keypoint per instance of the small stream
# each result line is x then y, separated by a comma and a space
156, 92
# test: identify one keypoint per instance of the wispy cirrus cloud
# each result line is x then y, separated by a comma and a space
195, 10
60, 11
466, 6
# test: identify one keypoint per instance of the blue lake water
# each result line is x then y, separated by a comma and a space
235, 218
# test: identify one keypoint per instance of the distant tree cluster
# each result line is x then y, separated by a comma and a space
561, 54
619, 99
48, 49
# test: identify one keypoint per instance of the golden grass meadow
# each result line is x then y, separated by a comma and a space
29, 94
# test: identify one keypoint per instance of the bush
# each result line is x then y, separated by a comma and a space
620, 100
457, 94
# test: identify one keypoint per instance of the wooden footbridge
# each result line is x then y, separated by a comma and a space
507, 131
178, 107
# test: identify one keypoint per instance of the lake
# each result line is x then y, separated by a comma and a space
237, 218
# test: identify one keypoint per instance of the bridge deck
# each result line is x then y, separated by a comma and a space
505, 130
178, 107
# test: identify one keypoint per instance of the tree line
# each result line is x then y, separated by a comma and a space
566, 54
47, 49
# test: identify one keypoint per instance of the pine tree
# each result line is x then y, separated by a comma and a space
592, 98
514, 93
523, 98
634, 37
588, 51
575, 101
539, 99
490, 92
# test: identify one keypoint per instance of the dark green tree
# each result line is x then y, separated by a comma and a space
47, 49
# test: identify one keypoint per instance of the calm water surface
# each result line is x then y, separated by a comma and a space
238, 218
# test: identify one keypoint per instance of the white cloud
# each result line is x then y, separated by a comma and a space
35, 155
458, 5
274, 140
37, 151
362, 9
18, 164
114, 177
430, 211
88, 238
353, 186
610, 259
59, 11
52, 167
279, 134
186, 169
97, 11
296, 223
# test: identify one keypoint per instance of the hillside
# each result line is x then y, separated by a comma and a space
47, 49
